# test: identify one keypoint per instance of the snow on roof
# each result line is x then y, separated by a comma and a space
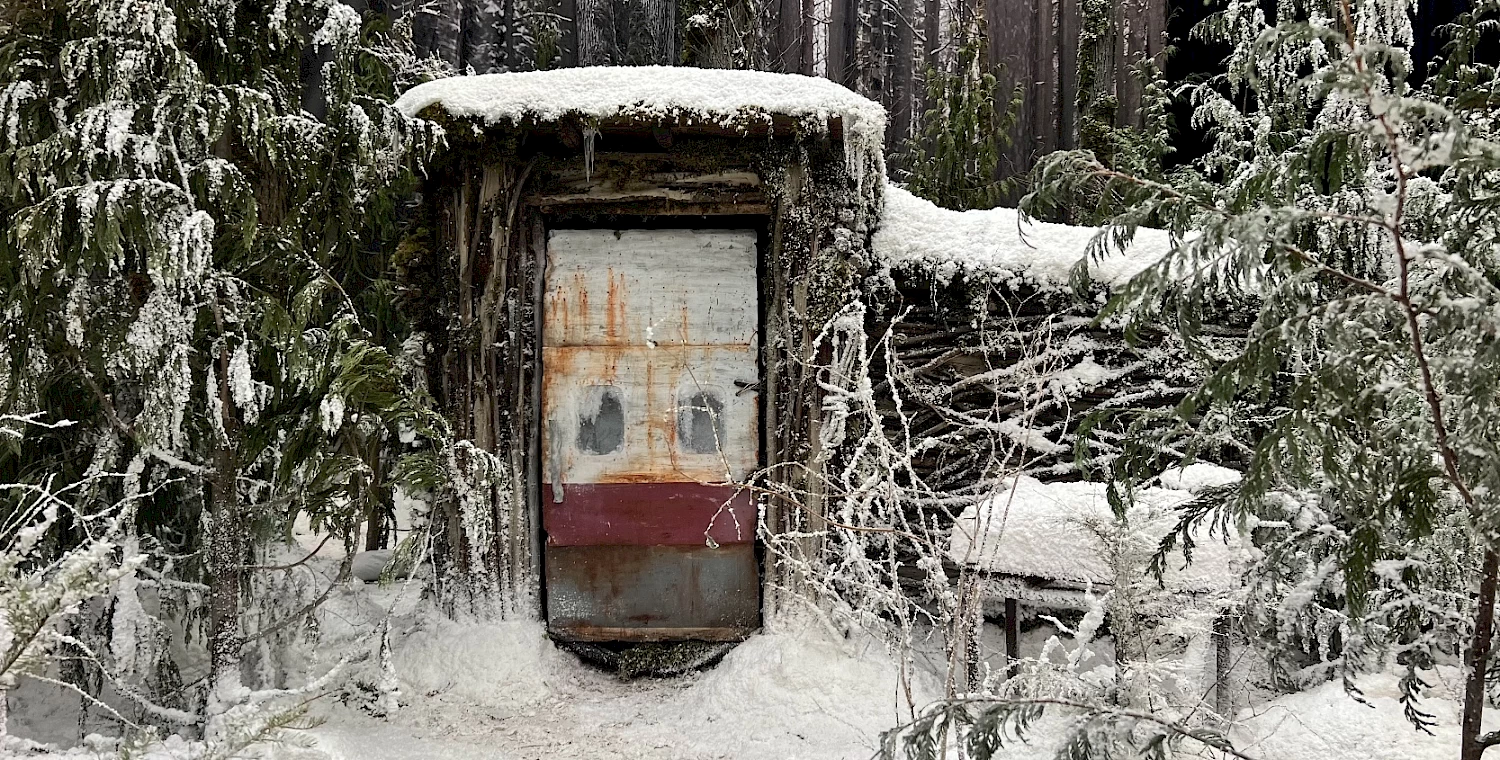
994, 243
723, 97
1046, 530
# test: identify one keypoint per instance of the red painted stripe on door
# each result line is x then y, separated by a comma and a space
648, 514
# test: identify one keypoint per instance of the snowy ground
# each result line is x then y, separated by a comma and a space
776, 696
504, 691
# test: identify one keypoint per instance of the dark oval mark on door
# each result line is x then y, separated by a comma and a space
603, 432
700, 423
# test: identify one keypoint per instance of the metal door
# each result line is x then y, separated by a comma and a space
650, 414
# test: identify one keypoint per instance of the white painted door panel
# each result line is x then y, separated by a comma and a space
649, 358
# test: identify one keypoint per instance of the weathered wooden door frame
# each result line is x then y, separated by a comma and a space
606, 216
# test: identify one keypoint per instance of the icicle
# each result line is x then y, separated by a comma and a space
590, 131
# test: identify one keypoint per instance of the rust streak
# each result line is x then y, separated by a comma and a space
612, 311
580, 284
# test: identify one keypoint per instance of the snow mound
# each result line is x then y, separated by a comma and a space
722, 97
1325, 723
1199, 476
1050, 530
836, 697
994, 243
492, 664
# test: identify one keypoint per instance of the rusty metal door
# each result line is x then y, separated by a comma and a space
650, 414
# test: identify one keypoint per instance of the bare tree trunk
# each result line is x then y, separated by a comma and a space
596, 32
932, 48
932, 32
226, 558
448, 33
903, 59
1477, 662
570, 34
1222, 655
648, 37
626, 32
788, 52
843, 40
805, 36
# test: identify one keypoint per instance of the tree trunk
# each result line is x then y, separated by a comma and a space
1478, 660
843, 40
932, 48
649, 38
570, 32
1221, 664
789, 35
903, 60
226, 557
596, 32
805, 37
481, 31
448, 34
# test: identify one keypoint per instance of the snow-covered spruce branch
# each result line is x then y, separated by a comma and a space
985, 726
38, 589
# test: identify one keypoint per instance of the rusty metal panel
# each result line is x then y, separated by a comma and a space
678, 514
611, 593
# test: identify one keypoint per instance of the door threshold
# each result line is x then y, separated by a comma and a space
595, 633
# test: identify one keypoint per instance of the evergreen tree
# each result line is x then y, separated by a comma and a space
1354, 215
953, 160
190, 267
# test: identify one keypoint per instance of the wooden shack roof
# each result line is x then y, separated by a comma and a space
683, 99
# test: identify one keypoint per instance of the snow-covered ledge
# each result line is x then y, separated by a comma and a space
725, 98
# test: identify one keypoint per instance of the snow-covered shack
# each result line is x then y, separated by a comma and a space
643, 286
623, 272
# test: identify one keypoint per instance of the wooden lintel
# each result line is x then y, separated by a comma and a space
649, 206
